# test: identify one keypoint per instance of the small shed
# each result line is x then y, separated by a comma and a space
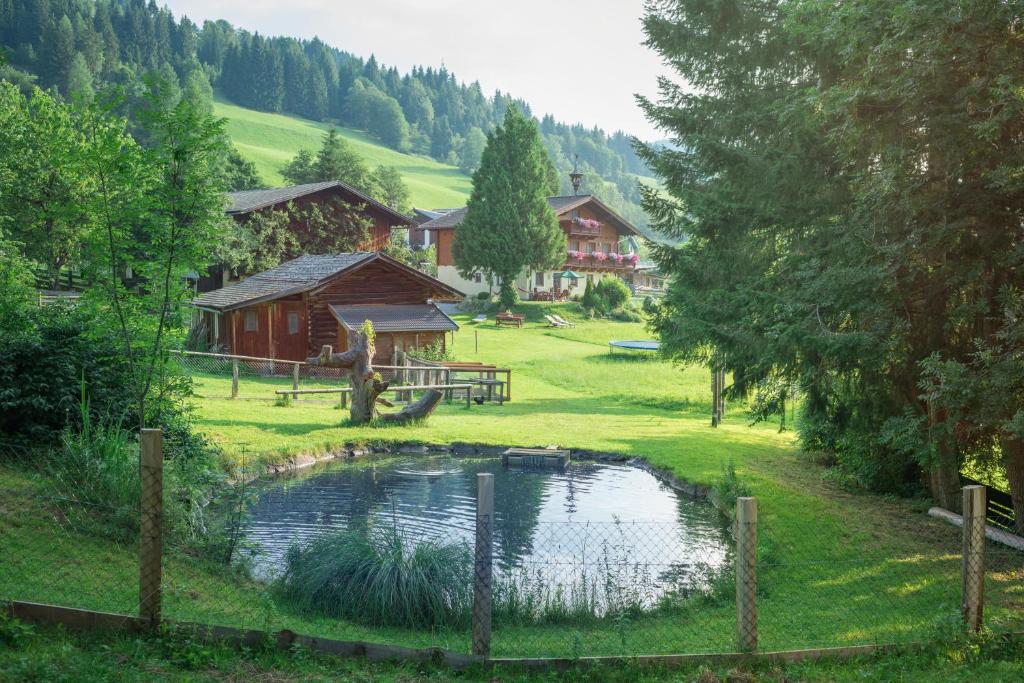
291, 311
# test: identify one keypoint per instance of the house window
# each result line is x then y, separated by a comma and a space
591, 247
478, 277
607, 248
538, 279
575, 245
293, 322
251, 322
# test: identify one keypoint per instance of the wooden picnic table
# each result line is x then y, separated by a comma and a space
510, 319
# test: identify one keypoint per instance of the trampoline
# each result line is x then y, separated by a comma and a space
634, 345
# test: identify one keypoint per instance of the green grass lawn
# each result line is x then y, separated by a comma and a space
271, 140
836, 568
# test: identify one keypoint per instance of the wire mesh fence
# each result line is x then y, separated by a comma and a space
76, 553
554, 589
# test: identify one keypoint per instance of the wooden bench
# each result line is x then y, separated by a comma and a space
510, 319
448, 389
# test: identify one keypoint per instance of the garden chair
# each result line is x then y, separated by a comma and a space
562, 321
552, 322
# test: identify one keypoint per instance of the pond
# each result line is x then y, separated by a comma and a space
552, 528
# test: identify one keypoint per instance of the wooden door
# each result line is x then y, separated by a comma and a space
291, 332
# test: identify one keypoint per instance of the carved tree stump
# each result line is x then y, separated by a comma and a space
366, 387
415, 411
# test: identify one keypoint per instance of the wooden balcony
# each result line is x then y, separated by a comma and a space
581, 230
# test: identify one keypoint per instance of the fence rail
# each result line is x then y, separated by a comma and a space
536, 593
267, 375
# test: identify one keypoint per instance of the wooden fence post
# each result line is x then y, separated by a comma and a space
234, 378
482, 565
973, 557
295, 377
746, 574
151, 523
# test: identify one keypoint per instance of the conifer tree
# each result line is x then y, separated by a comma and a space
509, 225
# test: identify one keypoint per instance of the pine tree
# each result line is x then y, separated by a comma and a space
509, 225
58, 51
79, 79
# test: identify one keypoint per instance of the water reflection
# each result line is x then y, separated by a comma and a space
589, 515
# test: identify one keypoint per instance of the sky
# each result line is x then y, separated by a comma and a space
580, 60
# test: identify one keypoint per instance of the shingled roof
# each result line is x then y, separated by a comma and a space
561, 205
254, 200
395, 317
290, 277
306, 273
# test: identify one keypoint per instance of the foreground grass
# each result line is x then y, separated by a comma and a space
836, 568
271, 140
47, 654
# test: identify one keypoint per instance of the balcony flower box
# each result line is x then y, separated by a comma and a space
589, 223
618, 258
599, 256
633, 258
578, 255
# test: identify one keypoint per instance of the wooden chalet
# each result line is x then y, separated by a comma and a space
598, 243
244, 205
289, 312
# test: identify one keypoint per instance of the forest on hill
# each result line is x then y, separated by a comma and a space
79, 46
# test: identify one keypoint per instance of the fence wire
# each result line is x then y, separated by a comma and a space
73, 553
559, 589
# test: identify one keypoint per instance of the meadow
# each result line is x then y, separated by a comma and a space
838, 567
270, 141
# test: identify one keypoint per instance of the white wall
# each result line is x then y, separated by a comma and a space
450, 276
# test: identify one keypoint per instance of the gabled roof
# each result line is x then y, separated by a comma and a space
254, 200
395, 317
301, 275
561, 206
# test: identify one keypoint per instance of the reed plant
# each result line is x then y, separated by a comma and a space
379, 578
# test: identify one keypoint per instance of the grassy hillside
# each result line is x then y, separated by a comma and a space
271, 140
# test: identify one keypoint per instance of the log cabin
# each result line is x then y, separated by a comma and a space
599, 243
242, 206
291, 311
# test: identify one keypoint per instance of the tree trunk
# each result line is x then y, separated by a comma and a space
365, 386
944, 470
419, 410
1013, 461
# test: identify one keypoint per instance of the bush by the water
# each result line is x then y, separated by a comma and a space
42, 362
376, 578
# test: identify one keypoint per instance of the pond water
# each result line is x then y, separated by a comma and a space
553, 525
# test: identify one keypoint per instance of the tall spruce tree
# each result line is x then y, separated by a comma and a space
844, 178
509, 225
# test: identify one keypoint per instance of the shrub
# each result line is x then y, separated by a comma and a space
483, 296
729, 487
436, 352
377, 578
508, 296
590, 299
41, 368
613, 292
627, 315
650, 305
